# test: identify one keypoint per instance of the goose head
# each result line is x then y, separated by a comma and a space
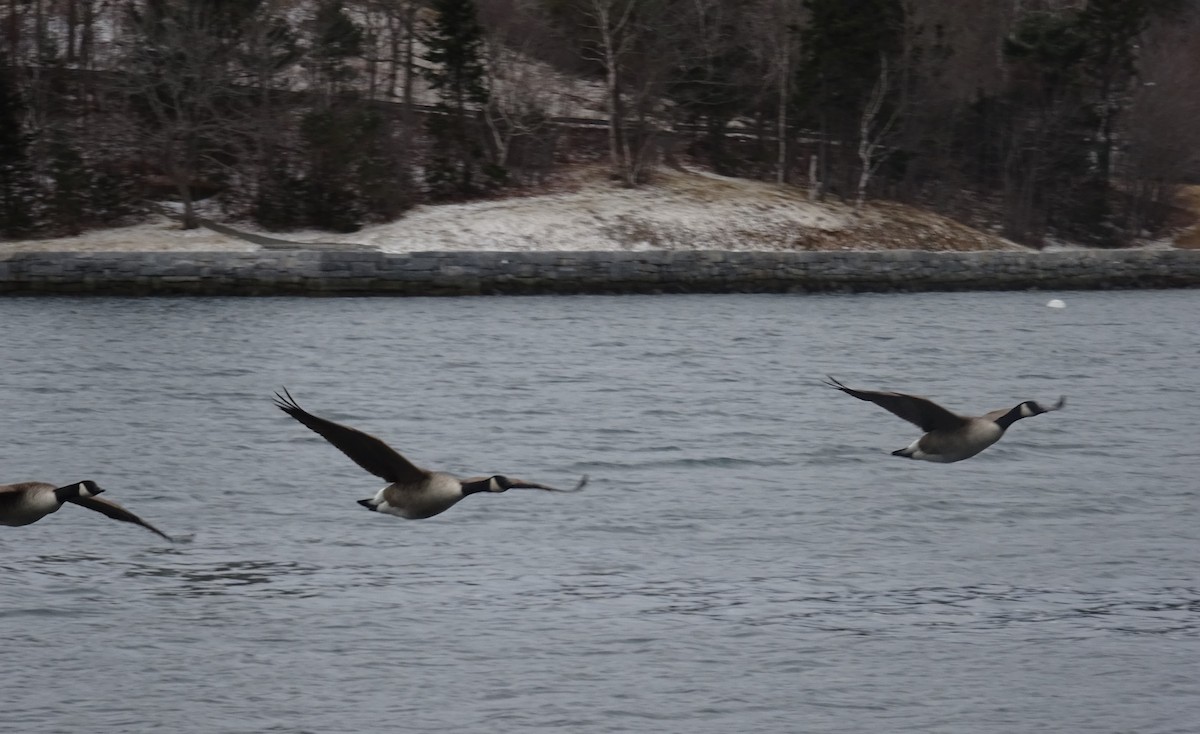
1032, 407
86, 488
501, 483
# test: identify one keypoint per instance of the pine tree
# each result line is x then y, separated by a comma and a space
279, 199
454, 48
336, 39
69, 200
1110, 29
18, 188
382, 175
845, 47
332, 201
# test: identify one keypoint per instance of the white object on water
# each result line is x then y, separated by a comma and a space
1055, 303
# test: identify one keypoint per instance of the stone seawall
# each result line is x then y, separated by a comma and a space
304, 272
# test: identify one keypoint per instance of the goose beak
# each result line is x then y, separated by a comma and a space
519, 484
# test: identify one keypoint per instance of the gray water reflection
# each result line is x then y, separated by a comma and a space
747, 558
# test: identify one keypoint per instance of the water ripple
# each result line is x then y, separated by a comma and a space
748, 556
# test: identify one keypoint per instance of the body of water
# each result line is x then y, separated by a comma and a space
747, 558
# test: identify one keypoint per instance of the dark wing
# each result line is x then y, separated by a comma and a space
364, 449
923, 412
116, 512
522, 484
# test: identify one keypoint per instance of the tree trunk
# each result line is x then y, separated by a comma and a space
183, 186
407, 109
868, 141
781, 167
616, 113
814, 182
87, 35
13, 31
611, 38
72, 25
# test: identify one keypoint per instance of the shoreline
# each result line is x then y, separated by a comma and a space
329, 272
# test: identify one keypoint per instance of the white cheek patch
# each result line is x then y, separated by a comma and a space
493, 485
84, 491
1026, 411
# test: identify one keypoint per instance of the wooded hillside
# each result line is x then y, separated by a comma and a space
1072, 119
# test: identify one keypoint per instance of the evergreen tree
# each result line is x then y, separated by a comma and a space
1110, 29
454, 48
336, 38
381, 174
18, 188
1048, 128
355, 172
112, 196
709, 83
842, 44
69, 197
280, 196
844, 47
331, 143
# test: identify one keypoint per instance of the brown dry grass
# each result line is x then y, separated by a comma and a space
1189, 201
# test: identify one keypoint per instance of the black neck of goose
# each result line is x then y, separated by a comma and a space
69, 492
481, 485
1010, 417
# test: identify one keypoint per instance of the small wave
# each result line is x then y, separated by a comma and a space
39, 612
223, 578
705, 462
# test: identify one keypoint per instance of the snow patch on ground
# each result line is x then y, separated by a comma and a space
157, 234
680, 210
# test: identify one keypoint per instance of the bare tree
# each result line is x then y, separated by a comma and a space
780, 23
613, 21
390, 40
526, 96
180, 85
631, 43
872, 133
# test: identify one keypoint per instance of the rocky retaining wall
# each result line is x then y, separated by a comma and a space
304, 272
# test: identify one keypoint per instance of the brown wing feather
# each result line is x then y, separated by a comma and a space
363, 449
116, 512
917, 410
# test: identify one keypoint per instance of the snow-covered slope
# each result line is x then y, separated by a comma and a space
678, 211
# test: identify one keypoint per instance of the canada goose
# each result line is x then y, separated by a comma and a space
413, 493
948, 437
28, 502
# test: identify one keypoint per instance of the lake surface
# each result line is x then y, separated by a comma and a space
747, 558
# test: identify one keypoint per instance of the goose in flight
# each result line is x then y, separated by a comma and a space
412, 493
28, 502
948, 437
